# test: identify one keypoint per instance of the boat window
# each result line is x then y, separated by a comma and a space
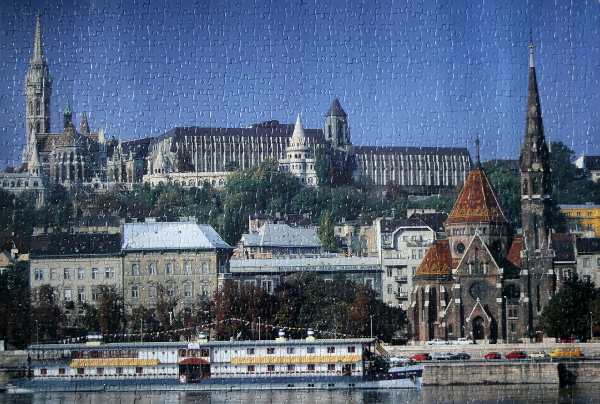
80, 371
331, 366
290, 350
330, 349
310, 349
291, 368
250, 351
310, 366
62, 371
204, 352
270, 351
270, 368
351, 349
251, 368
139, 370
183, 352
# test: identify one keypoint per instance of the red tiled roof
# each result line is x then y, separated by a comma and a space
437, 261
477, 202
514, 254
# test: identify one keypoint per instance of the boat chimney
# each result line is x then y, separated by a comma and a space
281, 337
310, 335
202, 337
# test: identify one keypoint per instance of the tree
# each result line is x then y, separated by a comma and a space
321, 167
15, 305
326, 231
231, 165
47, 318
567, 312
111, 310
507, 186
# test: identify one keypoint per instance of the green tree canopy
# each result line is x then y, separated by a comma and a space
568, 311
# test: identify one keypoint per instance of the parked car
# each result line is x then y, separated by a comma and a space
441, 356
569, 340
423, 356
400, 360
463, 356
493, 355
516, 355
539, 355
463, 341
438, 341
570, 351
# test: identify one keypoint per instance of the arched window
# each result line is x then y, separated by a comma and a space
37, 108
535, 186
525, 187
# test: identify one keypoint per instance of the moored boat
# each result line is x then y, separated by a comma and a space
217, 365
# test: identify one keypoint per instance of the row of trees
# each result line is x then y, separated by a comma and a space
336, 308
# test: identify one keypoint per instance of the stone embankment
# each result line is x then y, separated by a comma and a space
12, 364
521, 371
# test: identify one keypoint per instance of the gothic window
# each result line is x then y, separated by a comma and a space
37, 108
535, 186
525, 187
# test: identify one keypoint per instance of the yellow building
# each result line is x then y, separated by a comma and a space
583, 220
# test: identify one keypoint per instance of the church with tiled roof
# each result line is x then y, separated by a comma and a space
481, 282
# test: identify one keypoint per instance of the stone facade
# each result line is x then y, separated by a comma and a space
182, 261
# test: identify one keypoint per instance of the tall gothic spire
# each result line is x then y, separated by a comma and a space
84, 128
38, 56
38, 90
535, 147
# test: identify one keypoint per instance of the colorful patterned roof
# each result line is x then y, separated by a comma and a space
437, 261
477, 202
514, 254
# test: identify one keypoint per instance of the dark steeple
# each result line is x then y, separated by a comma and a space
337, 132
336, 109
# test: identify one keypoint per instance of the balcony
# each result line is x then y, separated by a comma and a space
401, 278
401, 295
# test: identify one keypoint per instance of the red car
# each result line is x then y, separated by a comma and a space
493, 355
516, 355
421, 357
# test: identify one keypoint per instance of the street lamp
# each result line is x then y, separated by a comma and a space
371, 326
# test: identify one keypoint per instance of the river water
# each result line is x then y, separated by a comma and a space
588, 393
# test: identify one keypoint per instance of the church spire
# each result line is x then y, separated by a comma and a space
67, 113
38, 90
84, 128
38, 56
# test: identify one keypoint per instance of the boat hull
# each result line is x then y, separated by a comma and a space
408, 379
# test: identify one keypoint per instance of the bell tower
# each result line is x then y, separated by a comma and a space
537, 273
38, 90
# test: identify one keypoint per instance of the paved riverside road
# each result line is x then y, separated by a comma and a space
477, 351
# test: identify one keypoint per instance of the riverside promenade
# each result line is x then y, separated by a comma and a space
477, 370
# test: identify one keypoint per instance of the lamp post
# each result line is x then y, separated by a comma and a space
259, 328
591, 326
371, 326
37, 333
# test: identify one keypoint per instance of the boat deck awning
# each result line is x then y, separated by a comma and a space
194, 361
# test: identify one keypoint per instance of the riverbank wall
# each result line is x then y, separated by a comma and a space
514, 372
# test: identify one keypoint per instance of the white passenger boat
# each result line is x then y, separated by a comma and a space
310, 363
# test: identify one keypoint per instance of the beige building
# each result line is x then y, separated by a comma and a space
75, 265
175, 260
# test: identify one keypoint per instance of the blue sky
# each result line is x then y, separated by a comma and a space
408, 73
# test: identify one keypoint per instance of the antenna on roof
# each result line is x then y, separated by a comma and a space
477, 160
